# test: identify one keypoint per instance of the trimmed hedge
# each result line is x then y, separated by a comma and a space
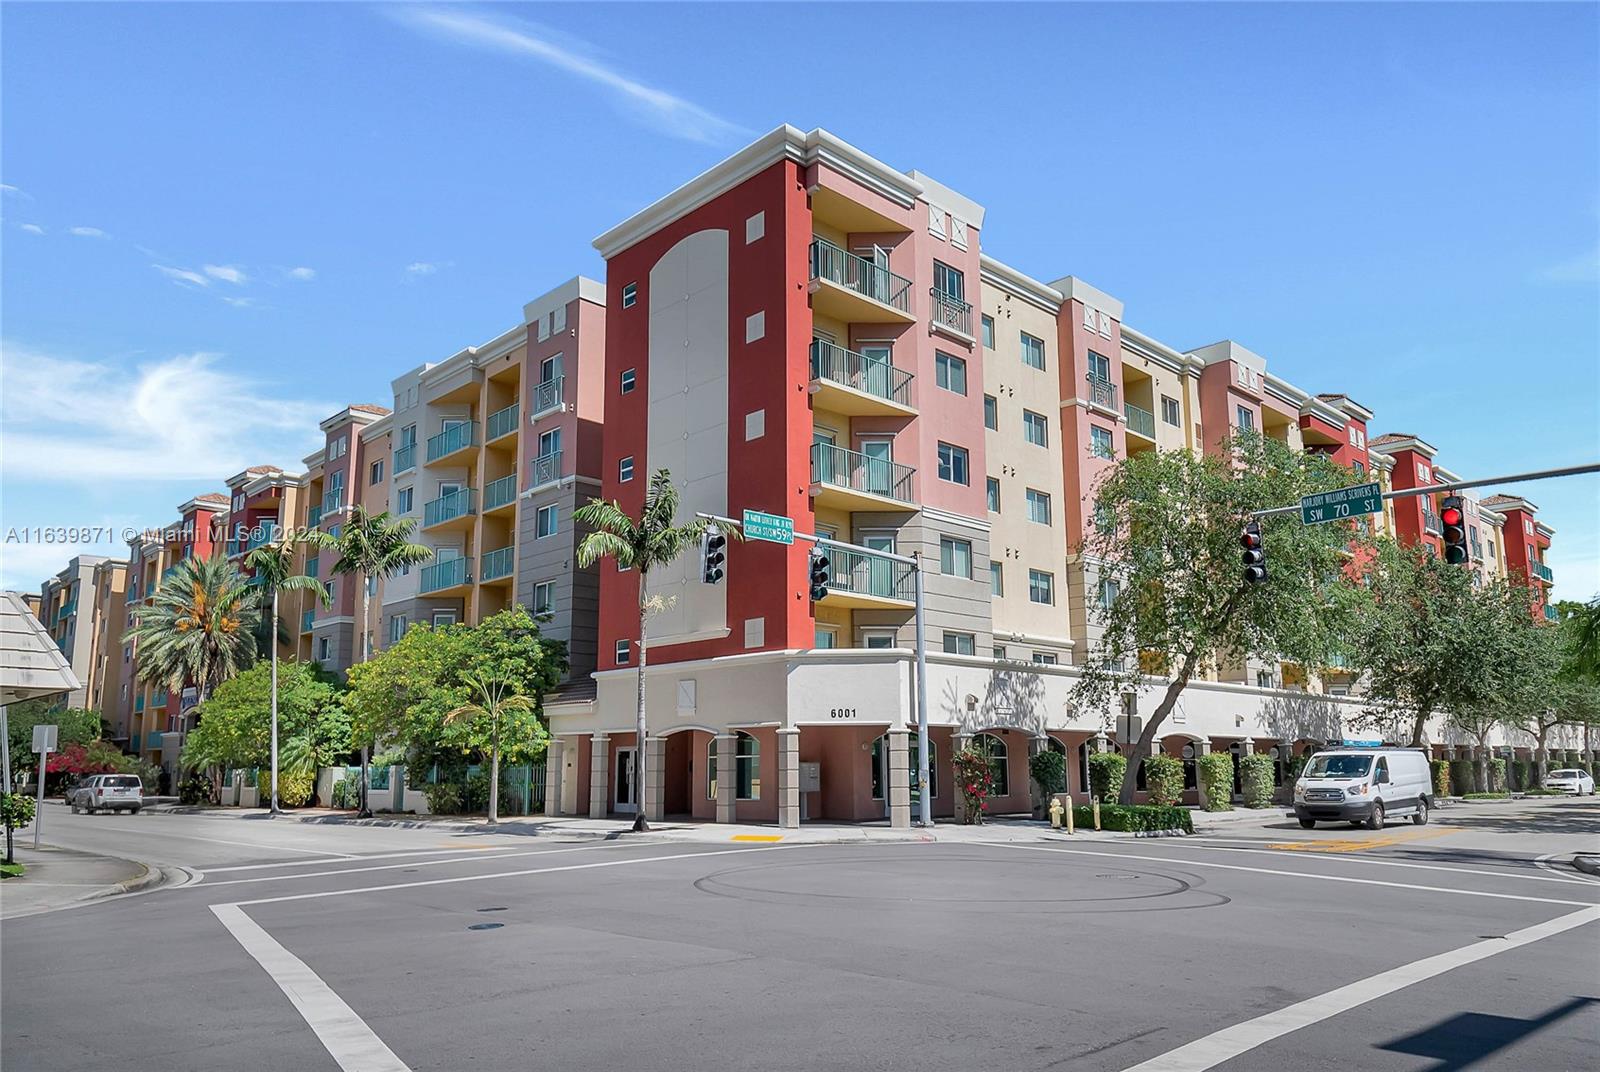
1440, 769
1049, 771
1255, 775
1106, 770
1215, 772
1136, 818
1497, 775
1462, 777
294, 790
1164, 779
1485, 796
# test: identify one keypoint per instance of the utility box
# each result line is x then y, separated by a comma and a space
810, 777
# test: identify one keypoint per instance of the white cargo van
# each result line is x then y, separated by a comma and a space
1364, 785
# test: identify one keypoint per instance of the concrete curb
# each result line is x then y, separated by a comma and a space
150, 877
1589, 865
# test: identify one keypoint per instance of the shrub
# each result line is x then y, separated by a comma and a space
294, 787
475, 796
1522, 774
444, 798
975, 781
1462, 778
1164, 778
149, 774
1440, 769
1497, 775
16, 809
1049, 771
1485, 796
1540, 791
1215, 771
1135, 817
346, 793
195, 789
1256, 776
1106, 770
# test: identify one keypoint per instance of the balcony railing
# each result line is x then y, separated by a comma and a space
306, 618
872, 375
1102, 392
138, 703
67, 610
449, 506
546, 469
263, 534
855, 273
497, 493
951, 312
313, 517
1140, 420
547, 396
1542, 571
1431, 523
451, 440
495, 564
865, 574
1550, 613
405, 458
332, 502
843, 468
501, 422
450, 573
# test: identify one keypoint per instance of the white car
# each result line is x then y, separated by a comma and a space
1570, 780
107, 792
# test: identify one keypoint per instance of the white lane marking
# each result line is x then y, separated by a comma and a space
391, 867
1350, 857
1230, 1042
367, 856
1176, 861
1543, 863
345, 1035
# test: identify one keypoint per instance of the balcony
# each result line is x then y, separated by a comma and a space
138, 703
1541, 571
332, 502
499, 494
405, 459
859, 579
67, 610
454, 508
306, 619
855, 385
1102, 393
495, 565
501, 423
849, 480
454, 441
950, 314
851, 288
1141, 422
1431, 523
261, 535
548, 396
313, 517
546, 469
452, 576
1550, 613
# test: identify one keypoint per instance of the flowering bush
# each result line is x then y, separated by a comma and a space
975, 780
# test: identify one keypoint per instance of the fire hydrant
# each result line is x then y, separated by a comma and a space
1055, 813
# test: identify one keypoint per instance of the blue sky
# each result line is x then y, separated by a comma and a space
223, 221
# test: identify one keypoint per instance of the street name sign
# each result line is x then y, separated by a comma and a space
1340, 504
774, 528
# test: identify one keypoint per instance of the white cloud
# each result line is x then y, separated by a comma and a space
421, 268
657, 108
183, 417
227, 273
302, 273
239, 303
12, 191
33, 228
182, 276
87, 232
1581, 269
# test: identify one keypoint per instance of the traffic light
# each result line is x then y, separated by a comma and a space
818, 569
1453, 521
1255, 553
713, 553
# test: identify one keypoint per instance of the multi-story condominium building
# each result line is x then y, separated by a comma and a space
1524, 545
109, 592
73, 606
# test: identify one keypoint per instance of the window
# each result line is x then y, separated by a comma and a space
1105, 518
442, 618
621, 651
747, 768
625, 469
950, 372
544, 522
1263, 679
1044, 658
1100, 442
323, 649
404, 500
953, 463
629, 378
994, 495
955, 557
1099, 367
397, 628
988, 333
993, 747
991, 413
377, 473
877, 639
949, 281
1244, 418
1170, 411
824, 638
1038, 507
1035, 429
960, 644
544, 597
1041, 587
999, 653
1032, 351
997, 580
1109, 591
630, 295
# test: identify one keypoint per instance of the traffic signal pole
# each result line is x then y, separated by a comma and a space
1458, 485
925, 802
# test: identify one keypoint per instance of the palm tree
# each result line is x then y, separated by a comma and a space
273, 567
199, 628
370, 547
653, 540
497, 698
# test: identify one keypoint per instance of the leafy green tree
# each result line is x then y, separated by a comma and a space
642, 544
236, 723
373, 547
497, 707
73, 726
272, 567
1167, 526
1580, 624
199, 628
1557, 688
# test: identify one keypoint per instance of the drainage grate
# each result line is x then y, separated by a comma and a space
484, 926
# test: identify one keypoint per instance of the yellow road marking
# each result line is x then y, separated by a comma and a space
758, 837
1357, 844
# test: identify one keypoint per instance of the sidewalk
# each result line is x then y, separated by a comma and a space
57, 878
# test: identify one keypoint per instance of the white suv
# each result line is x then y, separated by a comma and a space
107, 792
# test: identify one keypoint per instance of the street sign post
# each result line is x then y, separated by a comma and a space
774, 528
44, 742
1343, 503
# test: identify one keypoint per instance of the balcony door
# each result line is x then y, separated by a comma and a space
880, 571
878, 466
823, 443
876, 363
550, 370
550, 443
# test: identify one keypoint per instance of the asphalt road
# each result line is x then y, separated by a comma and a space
1451, 946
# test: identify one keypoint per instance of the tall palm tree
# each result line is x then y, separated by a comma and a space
272, 566
373, 547
199, 628
497, 698
653, 540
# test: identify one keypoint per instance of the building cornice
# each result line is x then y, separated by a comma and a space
1148, 346
1072, 288
1006, 278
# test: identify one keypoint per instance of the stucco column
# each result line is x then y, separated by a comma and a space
555, 762
789, 779
655, 769
727, 775
899, 779
1202, 747
599, 767
960, 741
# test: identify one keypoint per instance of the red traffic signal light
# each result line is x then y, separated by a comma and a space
1255, 553
1453, 526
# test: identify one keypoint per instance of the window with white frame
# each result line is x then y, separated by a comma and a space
960, 643
949, 281
404, 500
1099, 367
991, 745
950, 372
1170, 411
988, 332
1110, 589
953, 463
1035, 429
1041, 587
397, 628
376, 474
544, 597
545, 522
997, 580
625, 469
955, 557
994, 495
622, 652
629, 378
991, 413
1038, 507
443, 618
1100, 442
630, 295
747, 768
1244, 419
1044, 658
1032, 351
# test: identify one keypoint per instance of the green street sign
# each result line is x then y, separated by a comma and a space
774, 528
1340, 504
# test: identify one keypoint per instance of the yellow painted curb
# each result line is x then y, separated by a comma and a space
758, 837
